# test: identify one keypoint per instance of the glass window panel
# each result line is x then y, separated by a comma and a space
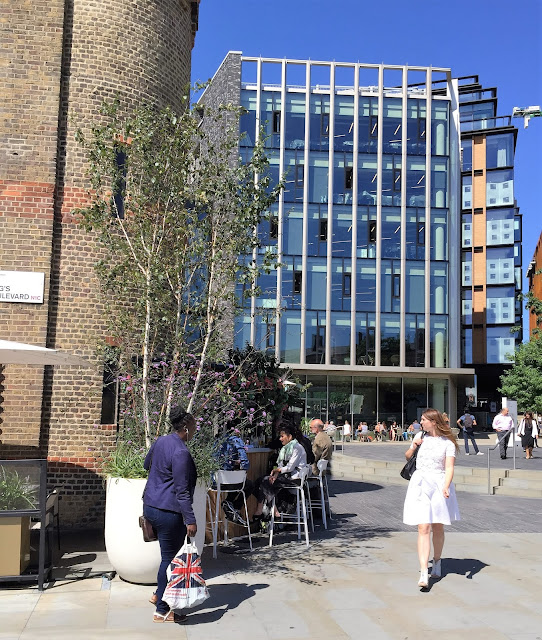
366, 232
437, 392
367, 174
365, 339
416, 110
340, 338
500, 150
466, 269
265, 333
318, 177
439, 288
392, 123
344, 123
290, 336
368, 124
389, 340
315, 338
501, 302
391, 232
439, 128
364, 400
439, 234
500, 265
341, 171
319, 122
294, 135
439, 183
270, 107
500, 226
414, 341
242, 331
342, 231
294, 176
388, 270
339, 302
390, 399
340, 398
316, 283
466, 154
293, 232
439, 342
466, 306
317, 397
500, 344
466, 192
365, 285
416, 184
414, 399
466, 348
391, 181
499, 188
466, 231
415, 287
247, 122
415, 234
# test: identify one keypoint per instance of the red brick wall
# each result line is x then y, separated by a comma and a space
59, 61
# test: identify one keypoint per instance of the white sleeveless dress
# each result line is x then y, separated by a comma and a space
424, 502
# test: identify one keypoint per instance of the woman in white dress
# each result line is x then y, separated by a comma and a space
430, 502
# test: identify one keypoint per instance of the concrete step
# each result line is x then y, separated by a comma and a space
521, 483
519, 493
533, 476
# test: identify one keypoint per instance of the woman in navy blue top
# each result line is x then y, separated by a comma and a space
168, 496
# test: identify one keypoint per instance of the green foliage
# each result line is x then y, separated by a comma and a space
126, 460
174, 211
16, 492
523, 382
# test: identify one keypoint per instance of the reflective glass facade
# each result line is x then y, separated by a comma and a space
365, 304
363, 227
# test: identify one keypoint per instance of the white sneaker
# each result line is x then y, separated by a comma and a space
467, 454
480, 453
424, 579
436, 570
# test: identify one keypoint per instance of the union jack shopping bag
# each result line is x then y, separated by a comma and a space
186, 587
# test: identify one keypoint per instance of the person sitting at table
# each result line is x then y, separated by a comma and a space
231, 454
292, 458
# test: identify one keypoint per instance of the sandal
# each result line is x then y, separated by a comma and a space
171, 616
153, 599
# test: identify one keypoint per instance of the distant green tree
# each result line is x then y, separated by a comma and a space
523, 381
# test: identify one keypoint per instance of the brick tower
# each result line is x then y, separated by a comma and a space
59, 60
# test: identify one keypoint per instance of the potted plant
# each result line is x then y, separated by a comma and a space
16, 494
163, 189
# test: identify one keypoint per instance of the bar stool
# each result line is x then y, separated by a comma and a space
226, 482
300, 516
321, 479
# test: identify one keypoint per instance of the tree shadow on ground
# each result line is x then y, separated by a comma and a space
338, 487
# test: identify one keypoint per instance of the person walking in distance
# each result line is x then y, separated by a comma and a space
503, 423
467, 422
528, 430
430, 502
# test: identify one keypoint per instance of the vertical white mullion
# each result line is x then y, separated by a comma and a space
353, 275
331, 160
256, 178
378, 263
305, 210
281, 202
428, 84
402, 299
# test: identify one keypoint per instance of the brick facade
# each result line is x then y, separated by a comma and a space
60, 60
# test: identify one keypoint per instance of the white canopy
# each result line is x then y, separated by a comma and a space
20, 353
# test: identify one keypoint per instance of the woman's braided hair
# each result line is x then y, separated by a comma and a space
179, 418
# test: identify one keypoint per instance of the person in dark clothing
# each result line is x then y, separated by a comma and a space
231, 455
167, 499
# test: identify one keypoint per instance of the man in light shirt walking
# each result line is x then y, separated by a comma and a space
503, 423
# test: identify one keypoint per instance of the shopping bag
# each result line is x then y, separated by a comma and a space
186, 587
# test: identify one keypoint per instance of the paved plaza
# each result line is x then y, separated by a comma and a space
358, 580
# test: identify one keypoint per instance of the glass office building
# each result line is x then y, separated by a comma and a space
366, 303
490, 240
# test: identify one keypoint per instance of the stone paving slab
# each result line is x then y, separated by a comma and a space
357, 581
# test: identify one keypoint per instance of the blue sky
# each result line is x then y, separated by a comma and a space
496, 39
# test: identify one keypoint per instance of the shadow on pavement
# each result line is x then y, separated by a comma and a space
337, 487
223, 597
467, 567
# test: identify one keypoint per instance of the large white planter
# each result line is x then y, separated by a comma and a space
132, 558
